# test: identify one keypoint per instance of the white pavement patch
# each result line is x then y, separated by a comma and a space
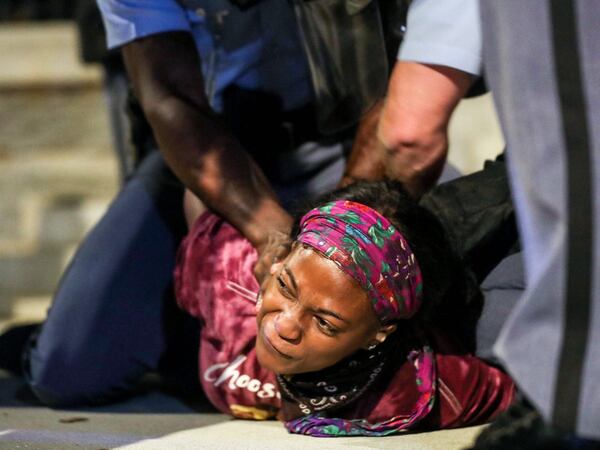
248, 435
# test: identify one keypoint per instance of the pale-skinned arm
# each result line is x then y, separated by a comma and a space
413, 126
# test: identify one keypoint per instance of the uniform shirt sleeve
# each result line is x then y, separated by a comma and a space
127, 20
444, 32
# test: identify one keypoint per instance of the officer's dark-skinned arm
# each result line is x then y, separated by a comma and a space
198, 147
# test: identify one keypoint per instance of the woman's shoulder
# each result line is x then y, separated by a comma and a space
468, 391
214, 263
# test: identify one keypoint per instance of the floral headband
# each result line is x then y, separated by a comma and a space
366, 246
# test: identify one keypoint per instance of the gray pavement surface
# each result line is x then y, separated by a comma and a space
156, 419
25, 423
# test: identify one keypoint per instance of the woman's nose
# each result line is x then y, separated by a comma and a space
288, 326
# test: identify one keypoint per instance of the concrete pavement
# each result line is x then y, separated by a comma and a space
156, 420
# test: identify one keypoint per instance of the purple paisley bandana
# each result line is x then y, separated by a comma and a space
366, 246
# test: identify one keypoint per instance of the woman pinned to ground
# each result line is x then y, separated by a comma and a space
365, 328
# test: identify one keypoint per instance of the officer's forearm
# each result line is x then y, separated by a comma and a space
166, 77
213, 165
414, 121
417, 162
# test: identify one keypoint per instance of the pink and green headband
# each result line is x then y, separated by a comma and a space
366, 246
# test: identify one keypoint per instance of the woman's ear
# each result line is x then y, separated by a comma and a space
381, 335
384, 332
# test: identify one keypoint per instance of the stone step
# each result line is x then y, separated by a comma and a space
61, 172
49, 232
58, 172
31, 275
48, 222
43, 55
52, 199
47, 122
51, 204
30, 309
37, 246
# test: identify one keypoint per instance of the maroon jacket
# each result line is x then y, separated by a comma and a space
214, 282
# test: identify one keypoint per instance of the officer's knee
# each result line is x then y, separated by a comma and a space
56, 381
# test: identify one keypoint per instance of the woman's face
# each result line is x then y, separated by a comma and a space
312, 315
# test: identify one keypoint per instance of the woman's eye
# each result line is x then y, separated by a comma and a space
325, 326
282, 285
